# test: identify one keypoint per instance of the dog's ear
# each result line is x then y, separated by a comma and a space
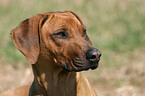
26, 37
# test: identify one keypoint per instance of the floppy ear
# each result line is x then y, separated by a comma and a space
26, 37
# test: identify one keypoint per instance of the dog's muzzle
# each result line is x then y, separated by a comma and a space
89, 60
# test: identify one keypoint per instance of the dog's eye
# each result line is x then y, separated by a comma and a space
84, 32
61, 34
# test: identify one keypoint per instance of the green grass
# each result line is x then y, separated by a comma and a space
116, 28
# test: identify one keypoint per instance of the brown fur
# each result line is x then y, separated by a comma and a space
50, 55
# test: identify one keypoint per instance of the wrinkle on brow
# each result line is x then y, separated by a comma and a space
76, 26
51, 17
62, 27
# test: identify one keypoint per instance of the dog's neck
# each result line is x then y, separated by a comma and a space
52, 80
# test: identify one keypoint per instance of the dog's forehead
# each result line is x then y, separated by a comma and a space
65, 15
61, 20
65, 19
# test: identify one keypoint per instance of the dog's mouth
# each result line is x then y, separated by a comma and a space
78, 64
89, 60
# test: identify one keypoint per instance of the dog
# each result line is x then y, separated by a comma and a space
58, 48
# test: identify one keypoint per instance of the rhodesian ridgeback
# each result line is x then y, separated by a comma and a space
58, 48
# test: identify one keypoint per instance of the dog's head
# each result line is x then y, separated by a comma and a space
59, 37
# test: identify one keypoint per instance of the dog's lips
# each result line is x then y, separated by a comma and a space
94, 67
85, 68
85, 65
76, 67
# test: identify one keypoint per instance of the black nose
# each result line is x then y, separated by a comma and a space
93, 55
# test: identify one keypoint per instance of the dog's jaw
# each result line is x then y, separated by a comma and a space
75, 67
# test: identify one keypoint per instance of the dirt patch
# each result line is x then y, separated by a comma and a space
12, 77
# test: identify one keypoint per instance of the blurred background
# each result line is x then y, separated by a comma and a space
116, 28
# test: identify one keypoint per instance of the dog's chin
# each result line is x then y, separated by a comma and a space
76, 68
